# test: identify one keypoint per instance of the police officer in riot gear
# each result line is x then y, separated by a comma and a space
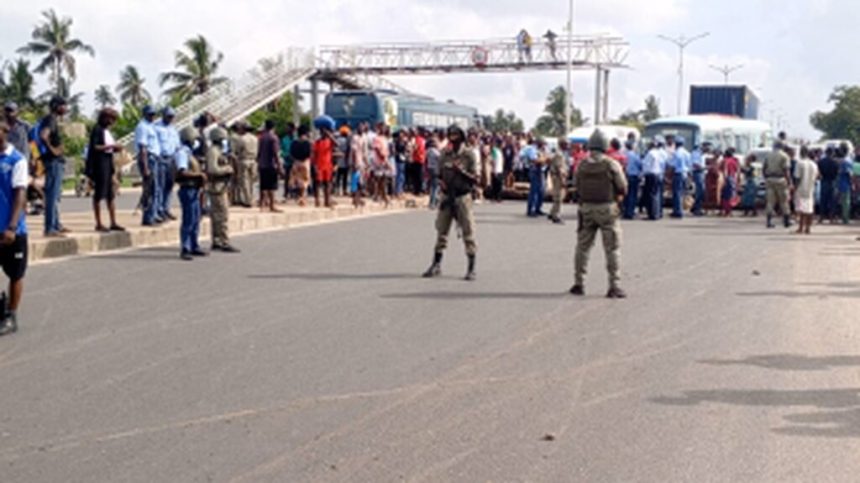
601, 185
458, 175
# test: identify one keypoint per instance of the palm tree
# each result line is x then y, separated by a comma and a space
195, 71
52, 40
131, 87
19, 84
104, 96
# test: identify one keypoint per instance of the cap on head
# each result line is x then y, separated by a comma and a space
188, 134
680, 141
597, 141
10, 107
148, 111
659, 140
454, 128
217, 135
168, 112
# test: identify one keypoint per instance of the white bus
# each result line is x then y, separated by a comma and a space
722, 132
580, 135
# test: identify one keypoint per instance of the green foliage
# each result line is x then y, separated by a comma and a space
128, 119
552, 122
131, 88
52, 41
639, 119
503, 121
280, 111
196, 70
843, 121
104, 96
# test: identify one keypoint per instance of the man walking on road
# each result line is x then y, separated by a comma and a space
458, 171
558, 172
778, 182
14, 179
653, 166
601, 186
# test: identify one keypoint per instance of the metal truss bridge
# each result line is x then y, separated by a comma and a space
361, 67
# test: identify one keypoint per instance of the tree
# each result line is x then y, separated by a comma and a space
52, 41
652, 110
551, 123
195, 71
503, 121
19, 84
280, 112
131, 88
104, 96
843, 121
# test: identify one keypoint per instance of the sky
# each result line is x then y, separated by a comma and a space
793, 52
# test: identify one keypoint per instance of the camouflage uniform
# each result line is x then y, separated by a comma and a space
600, 183
458, 173
219, 170
558, 172
776, 165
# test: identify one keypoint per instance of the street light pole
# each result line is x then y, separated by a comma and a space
568, 98
727, 70
682, 42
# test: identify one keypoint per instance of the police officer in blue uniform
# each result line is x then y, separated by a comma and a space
681, 164
191, 179
148, 158
168, 138
634, 179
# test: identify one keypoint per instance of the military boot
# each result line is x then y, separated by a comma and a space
770, 221
436, 268
470, 273
616, 293
577, 290
786, 220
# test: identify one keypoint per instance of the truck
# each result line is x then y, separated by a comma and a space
738, 101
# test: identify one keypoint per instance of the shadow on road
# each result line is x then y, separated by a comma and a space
476, 295
825, 398
789, 362
325, 277
838, 415
828, 424
801, 294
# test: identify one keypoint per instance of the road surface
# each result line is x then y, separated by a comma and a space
319, 355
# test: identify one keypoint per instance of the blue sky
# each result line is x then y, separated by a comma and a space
794, 52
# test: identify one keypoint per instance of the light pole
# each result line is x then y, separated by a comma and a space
682, 42
568, 97
727, 70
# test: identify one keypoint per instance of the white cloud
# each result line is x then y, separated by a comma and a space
794, 52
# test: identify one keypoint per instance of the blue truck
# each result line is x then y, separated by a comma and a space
738, 101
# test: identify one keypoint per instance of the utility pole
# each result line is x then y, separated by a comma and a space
568, 97
682, 42
727, 70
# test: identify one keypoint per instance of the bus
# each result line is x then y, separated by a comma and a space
581, 135
722, 132
350, 108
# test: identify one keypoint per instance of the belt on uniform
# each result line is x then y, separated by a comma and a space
778, 176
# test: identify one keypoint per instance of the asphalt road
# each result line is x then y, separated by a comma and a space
319, 355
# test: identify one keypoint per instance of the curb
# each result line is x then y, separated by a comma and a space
241, 223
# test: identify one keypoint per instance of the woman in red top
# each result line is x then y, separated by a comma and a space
730, 168
322, 158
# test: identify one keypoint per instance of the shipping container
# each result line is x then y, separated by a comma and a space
736, 101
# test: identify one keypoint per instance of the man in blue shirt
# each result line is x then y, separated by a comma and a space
191, 179
698, 158
14, 178
148, 154
634, 178
846, 174
653, 166
168, 140
681, 164
535, 158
